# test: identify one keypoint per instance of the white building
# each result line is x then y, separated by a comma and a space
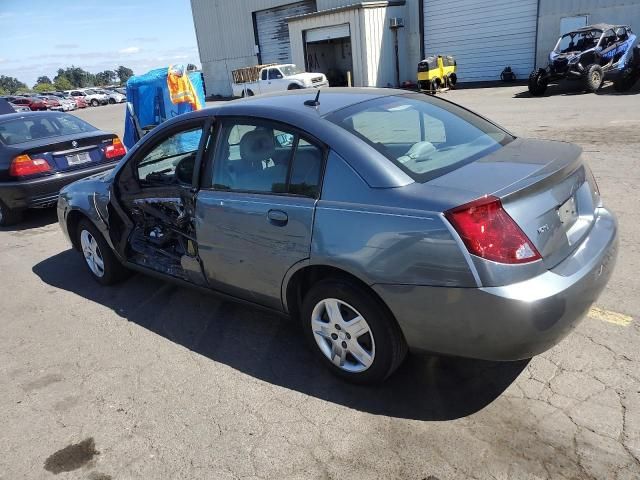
340, 36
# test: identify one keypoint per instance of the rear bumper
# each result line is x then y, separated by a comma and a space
43, 192
511, 322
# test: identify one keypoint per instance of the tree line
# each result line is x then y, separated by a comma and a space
66, 79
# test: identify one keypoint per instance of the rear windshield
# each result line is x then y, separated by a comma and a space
36, 127
424, 136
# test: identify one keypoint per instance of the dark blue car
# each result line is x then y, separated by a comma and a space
41, 152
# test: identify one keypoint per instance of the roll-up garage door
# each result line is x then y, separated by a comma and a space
328, 33
273, 30
483, 35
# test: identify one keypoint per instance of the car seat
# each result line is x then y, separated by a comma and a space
256, 170
38, 130
257, 147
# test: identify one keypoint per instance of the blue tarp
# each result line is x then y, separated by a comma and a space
148, 95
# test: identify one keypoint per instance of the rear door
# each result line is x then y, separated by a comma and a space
254, 213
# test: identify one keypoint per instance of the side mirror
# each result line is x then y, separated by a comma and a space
184, 170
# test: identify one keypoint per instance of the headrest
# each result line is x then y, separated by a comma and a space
256, 146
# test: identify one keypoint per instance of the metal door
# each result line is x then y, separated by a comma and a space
248, 242
483, 36
273, 30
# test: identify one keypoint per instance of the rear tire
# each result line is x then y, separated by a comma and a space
453, 80
593, 78
101, 262
95, 103
538, 83
368, 351
626, 81
9, 216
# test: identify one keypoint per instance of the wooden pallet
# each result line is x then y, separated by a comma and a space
249, 74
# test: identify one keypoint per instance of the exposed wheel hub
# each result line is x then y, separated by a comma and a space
343, 335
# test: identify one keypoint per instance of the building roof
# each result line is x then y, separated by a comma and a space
353, 6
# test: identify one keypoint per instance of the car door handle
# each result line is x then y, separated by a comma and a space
278, 217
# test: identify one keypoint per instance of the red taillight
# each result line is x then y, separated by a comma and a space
24, 165
116, 149
489, 232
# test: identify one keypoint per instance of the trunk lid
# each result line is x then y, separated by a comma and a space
544, 186
70, 152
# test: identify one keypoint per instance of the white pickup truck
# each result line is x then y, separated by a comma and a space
259, 79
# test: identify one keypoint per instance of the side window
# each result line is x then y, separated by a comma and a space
275, 74
261, 158
608, 39
306, 170
621, 34
263, 74
172, 160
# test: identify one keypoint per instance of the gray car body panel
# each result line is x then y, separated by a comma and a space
374, 222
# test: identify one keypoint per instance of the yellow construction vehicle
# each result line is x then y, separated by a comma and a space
436, 73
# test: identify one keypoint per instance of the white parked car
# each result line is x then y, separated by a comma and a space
274, 78
112, 96
90, 96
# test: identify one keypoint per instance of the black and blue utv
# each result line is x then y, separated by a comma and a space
592, 55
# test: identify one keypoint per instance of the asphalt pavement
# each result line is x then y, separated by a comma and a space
146, 380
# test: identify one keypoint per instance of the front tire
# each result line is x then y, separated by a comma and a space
538, 82
9, 216
112, 101
351, 332
95, 103
593, 78
102, 263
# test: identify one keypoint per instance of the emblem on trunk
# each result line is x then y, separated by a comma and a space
543, 229
74, 144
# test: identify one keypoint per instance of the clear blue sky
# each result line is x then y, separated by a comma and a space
37, 36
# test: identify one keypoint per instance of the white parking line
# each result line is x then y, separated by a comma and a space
610, 317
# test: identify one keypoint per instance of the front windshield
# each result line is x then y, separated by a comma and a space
288, 70
578, 41
424, 136
89, 92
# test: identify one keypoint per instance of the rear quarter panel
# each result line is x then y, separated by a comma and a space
356, 230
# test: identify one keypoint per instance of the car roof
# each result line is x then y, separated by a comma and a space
331, 100
598, 26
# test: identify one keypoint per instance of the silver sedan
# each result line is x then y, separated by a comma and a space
382, 220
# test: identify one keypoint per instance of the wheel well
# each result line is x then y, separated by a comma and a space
73, 220
293, 86
302, 281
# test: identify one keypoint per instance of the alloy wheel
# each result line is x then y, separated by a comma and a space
92, 253
343, 335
